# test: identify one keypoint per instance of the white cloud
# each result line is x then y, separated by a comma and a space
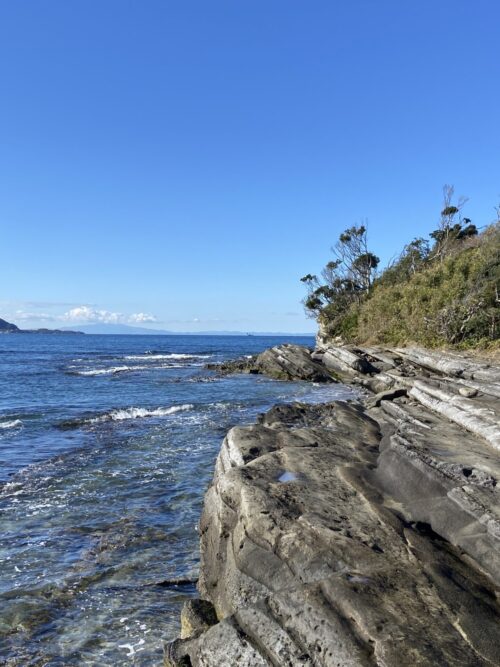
141, 318
84, 314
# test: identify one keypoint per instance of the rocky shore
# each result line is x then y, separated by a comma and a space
355, 534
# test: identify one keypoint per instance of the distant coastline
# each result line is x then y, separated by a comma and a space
120, 329
124, 329
9, 328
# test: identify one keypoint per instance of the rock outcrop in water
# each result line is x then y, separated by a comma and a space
356, 534
282, 362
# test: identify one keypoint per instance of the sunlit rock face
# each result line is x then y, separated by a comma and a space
358, 533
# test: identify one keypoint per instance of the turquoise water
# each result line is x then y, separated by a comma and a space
107, 445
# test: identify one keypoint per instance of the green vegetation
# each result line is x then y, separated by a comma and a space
445, 291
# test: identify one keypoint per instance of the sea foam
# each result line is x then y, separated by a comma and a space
138, 413
148, 356
11, 424
111, 371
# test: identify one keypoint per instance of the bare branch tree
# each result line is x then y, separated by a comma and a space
450, 224
346, 278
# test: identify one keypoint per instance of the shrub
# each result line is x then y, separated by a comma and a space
426, 297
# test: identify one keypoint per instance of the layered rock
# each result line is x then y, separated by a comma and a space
363, 533
282, 362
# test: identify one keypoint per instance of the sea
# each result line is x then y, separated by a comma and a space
107, 446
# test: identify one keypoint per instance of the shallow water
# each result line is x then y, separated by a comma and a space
107, 444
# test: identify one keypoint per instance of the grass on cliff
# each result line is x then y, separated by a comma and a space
451, 300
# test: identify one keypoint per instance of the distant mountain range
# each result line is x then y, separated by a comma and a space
142, 331
8, 328
118, 329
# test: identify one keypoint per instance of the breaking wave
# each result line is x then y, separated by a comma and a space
121, 414
136, 413
13, 423
107, 371
152, 356
168, 359
112, 370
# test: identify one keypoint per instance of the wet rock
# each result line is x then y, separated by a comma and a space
243, 365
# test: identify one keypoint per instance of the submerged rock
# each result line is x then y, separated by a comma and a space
243, 365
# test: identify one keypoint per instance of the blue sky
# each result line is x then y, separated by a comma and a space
182, 164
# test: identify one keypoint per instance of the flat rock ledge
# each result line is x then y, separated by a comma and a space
360, 533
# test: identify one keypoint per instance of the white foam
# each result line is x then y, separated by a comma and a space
129, 648
139, 413
123, 369
132, 648
9, 485
14, 423
108, 371
147, 357
116, 369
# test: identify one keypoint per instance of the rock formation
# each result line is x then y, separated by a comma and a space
282, 362
355, 534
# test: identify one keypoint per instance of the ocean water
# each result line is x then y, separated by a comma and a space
107, 445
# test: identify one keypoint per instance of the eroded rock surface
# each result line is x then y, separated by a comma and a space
282, 362
353, 534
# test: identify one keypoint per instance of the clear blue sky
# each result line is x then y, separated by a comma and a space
189, 161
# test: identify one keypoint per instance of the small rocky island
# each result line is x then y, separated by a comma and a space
9, 328
355, 533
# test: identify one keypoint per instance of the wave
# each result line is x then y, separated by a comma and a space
149, 355
13, 423
109, 371
200, 378
121, 414
135, 413
113, 370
